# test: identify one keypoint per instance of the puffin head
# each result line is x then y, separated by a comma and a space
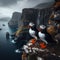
41, 27
31, 24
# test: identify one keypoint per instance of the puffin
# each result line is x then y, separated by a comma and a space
42, 33
45, 36
33, 30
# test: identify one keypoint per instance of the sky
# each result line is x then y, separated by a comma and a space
7, 7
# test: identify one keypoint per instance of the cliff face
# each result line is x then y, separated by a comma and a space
14, 20
44, 12
38, 16
29, 15
44, 16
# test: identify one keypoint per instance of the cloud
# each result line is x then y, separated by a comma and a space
7, 7
12, 2
8, 2
6, 12
30, 3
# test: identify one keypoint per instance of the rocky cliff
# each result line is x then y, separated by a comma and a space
44, 15
14, 20
38, 14
29, 15
44, 12
32, 15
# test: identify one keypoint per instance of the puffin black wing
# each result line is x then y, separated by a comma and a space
35, 29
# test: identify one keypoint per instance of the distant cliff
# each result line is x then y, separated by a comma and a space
44, 5
14, 20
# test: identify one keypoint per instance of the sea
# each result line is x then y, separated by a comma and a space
7, 49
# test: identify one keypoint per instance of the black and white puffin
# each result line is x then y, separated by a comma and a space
45, 36
41, 34
33, 30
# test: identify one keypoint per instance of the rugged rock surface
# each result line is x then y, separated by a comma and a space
29, 15
44, 12
44, 16
14, 20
